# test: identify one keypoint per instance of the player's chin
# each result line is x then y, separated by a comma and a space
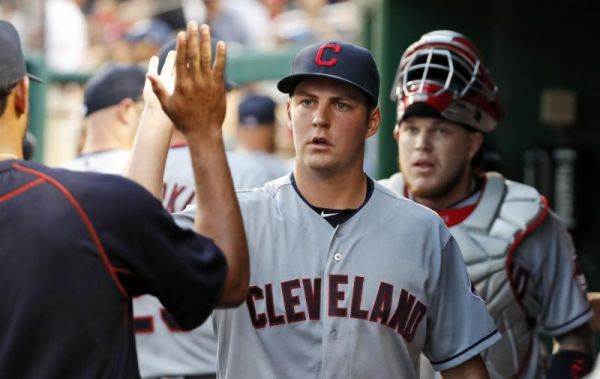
319, 162
424, 187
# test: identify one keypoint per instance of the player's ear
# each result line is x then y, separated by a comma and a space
125, 111
373, 122
475, 142
21, 97
288, 105
396, 132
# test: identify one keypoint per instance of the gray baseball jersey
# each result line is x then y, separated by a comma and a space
360, 300
274, 166
163, 348
107, 162
179, 187
522, 261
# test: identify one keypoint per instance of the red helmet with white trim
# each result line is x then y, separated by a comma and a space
443, 70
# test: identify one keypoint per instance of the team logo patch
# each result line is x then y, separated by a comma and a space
332, 61
475, 293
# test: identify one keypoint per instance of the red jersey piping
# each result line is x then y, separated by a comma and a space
91, 230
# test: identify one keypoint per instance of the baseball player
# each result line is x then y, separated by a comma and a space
71, 260
519, 256
348, 279
112, 114
256, 131
164, 348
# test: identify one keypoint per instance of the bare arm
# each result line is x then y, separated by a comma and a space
471, 369
572, 356
197, 108
151, 145
594, 300
578, 339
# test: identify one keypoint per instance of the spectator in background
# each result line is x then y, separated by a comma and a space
240, 23
145, 38
316, 20
112, 113
256, 131
66, 36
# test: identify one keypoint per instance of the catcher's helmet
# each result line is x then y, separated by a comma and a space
443, 70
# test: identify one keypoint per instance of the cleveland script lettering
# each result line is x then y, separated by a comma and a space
301, 301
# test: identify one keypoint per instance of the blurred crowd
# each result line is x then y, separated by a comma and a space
83, 36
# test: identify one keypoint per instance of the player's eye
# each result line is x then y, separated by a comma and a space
442, 131
410, 129
342, 106
306, 102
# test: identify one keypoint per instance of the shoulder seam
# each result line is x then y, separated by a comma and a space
83, 215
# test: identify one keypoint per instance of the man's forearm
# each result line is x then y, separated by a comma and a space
218, 213
150, 148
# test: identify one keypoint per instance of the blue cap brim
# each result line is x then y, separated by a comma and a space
34, 78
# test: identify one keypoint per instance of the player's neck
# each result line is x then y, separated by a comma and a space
450, 198
103, 138
10, 140
332, 192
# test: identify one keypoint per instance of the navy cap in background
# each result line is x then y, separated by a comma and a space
156, 31
335, 60
12, 62
255, 110
111, 85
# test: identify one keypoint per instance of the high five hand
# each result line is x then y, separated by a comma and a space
197, 104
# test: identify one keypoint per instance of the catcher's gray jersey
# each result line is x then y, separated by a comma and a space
361, 300
522, 261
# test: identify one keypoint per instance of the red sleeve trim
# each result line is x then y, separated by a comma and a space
533, 226
91, 230
20, 190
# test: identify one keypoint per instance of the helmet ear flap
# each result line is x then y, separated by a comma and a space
443, 70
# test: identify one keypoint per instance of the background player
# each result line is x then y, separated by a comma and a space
71, 260
519, 256
257, 127
112, 101
348, 279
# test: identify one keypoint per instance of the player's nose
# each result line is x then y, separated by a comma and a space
422, 140
320, 116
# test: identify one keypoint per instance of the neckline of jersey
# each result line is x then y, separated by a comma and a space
343, 214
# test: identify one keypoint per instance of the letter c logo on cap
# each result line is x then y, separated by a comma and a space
331, 62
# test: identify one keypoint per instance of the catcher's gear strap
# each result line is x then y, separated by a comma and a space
569, 364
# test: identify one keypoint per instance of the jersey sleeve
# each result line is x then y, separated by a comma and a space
459, 326
559, 283
153, 255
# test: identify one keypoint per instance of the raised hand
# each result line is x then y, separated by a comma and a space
166, 77
197, 104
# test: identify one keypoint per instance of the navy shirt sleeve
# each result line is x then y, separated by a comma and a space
150, 254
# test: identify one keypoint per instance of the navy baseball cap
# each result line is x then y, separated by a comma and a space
336, 60
172, 45
256, 109
156, 31
12, 62
112, 84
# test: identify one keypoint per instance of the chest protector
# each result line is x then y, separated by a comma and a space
489, 239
